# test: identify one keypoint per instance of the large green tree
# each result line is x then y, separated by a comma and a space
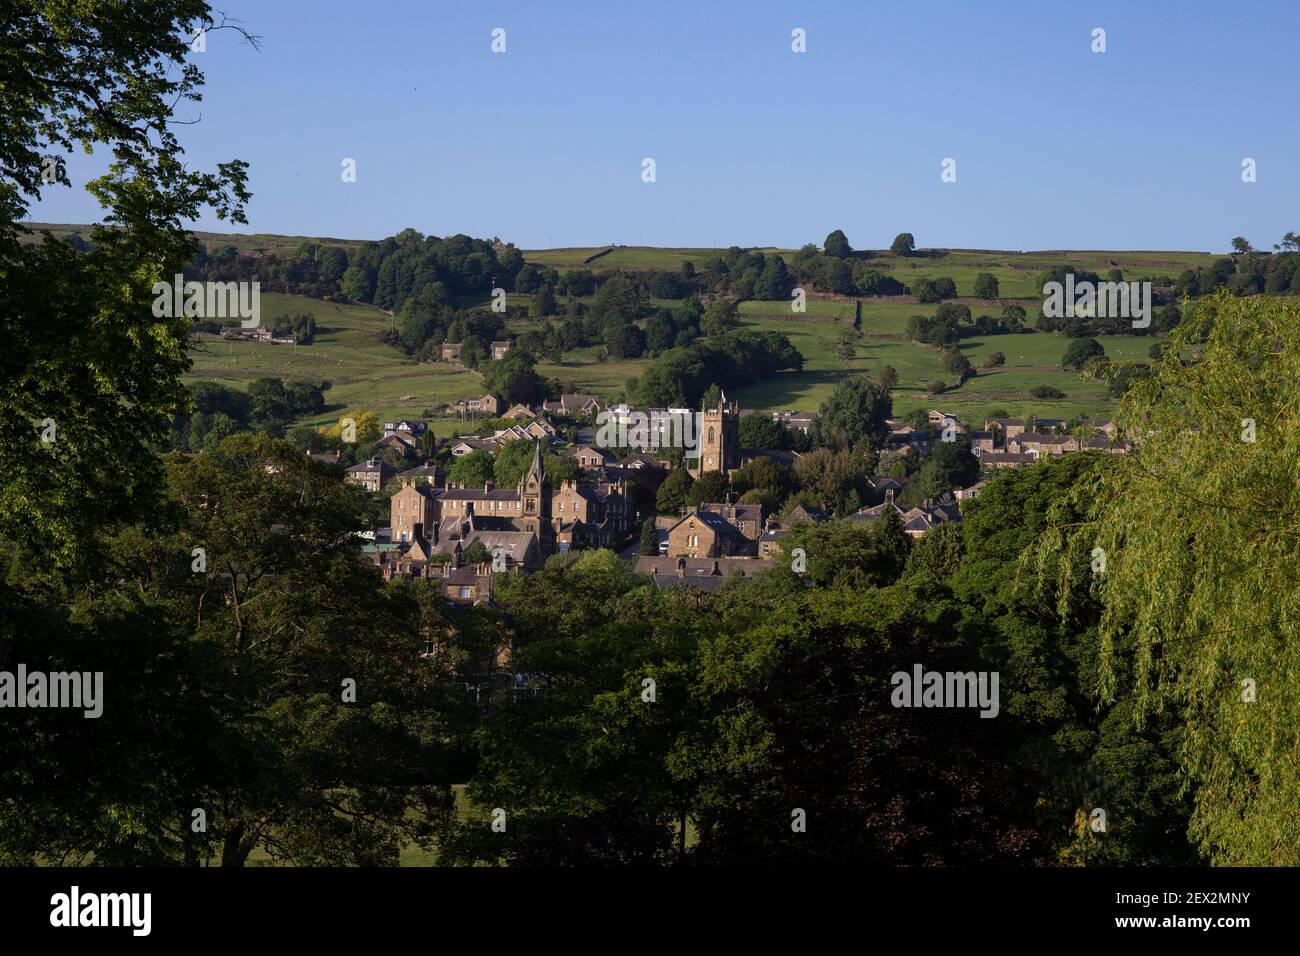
857, 408
89, 376
1200, 589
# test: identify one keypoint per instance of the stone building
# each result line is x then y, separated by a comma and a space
718, 440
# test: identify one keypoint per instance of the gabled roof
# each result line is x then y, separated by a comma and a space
370, 464
714, 522
1043, 438
802, 512
696, 568
751, 512
431, 472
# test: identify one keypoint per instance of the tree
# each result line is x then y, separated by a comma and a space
887, 377
1078, 747
1241, 246
957, 363
103, 79
934, 290
627, 342
1013, 317
1079, 352
573, 796
364, 427
760, 432
474, 470
903, 244
671, 497
357, 284
721, 315
285, 612
544, 301
856, 408
774, 282
620, 294
986, 285
828, 476
837, 277
763, 474
837, 245
515, 379
1199, 602
514, 458
994, 360
578, 282
649, 537
710, 486
949, 465
270, 405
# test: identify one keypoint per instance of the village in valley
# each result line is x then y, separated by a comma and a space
461, 536
397, 473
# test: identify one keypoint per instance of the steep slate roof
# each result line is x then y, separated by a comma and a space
1043, 438
802, 512
707, 573
752, 512
478, 494
429, 472
715, 522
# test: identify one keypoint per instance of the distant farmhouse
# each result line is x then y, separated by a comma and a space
259, 334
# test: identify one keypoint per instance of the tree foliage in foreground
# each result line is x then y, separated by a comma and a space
1201, 536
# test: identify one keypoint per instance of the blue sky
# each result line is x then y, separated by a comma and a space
1139, 147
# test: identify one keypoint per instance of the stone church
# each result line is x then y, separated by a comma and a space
718, 439
525, 524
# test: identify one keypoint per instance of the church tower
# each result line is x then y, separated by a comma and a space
718, 439
535, 501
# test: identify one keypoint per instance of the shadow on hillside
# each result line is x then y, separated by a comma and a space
788, 389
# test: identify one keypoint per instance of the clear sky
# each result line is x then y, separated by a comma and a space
1056, 146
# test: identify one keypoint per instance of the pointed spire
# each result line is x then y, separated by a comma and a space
537, 458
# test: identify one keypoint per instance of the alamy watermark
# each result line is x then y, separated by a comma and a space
209, 300
622, 427
82, 690
923, 688
1086, 299
129, 910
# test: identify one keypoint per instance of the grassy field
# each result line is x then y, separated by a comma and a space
607, 258
363, 371
1031, 359
1015, 271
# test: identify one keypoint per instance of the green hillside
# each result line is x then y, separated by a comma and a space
364, 372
